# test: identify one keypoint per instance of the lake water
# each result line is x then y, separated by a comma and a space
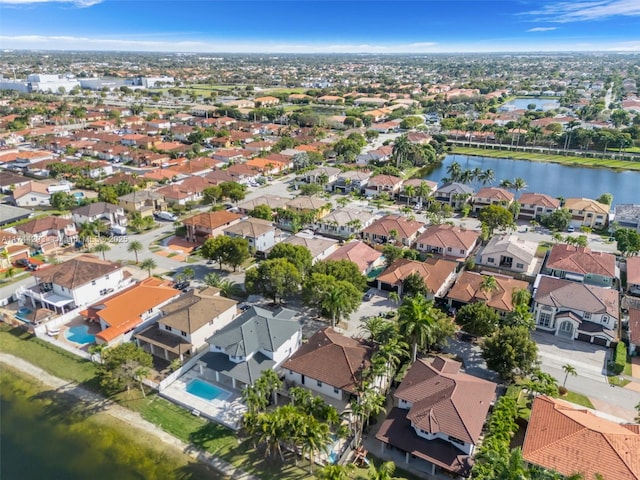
540, 103
552, 178
45, 438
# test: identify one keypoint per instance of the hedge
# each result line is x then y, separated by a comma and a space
620, 359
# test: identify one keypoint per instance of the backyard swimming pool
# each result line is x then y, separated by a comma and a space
80, 334
206, 390
22, 313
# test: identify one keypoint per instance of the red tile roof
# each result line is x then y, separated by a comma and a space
581, 260
434, 271
572, 440
468, 289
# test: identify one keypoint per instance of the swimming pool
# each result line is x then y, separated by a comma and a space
22, 313
79, 334
206, 390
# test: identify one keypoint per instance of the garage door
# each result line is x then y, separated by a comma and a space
583, 337
600, 341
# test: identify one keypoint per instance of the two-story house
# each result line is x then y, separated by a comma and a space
454, 194
257, 340
345, 222
315, 206
329, 363
271, 201
438, 275
491, 196
77, 282
633, 275
108, 213
261, 234
438, 416
628, 216
508, 252
587, 212
581, 264
534, 206
144, 202
31, 194
576, 311
125, 312
351, 181
186, 323
209, 224
47, 233
393, 228
448, 241
472, 287
366, 258
325, 176
383, 183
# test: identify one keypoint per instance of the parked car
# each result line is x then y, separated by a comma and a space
22, 262
571, 228
166, 216
368, 296
182, 285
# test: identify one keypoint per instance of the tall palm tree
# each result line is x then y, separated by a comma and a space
410, 192
519, 184
401, 150
335, 472
568, 370
334, 303
135, 247
314, 437
534, 133
454, 171
103, 248
148, 264
415, 322
507, 184
423, 190
394, 297
383, 472
488, 177
378, 330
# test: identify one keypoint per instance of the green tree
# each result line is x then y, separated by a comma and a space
478, 319
417, 320
627, 241
557, 220
379, 330
233, 191
568, 370
341, 299
510, 352
148, 264
103, 248
262, 211
212, 194
298, 255
496, 217
310, 189
384, 472
62, 201
606, 198
275, 278
122, 367
344, 270
135, 247
414, 285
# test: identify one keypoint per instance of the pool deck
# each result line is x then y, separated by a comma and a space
227, 412
93, 330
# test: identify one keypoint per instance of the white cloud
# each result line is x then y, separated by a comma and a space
565, 12
77, 3
541, 29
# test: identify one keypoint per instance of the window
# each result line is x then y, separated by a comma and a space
319, 383
106, 277
587, 315
93, 282
605, 319
449, 249
544, 319
167, 328
520, 266
184, 334
336, 390
490, 260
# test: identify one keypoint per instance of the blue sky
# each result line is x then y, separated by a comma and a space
328, 26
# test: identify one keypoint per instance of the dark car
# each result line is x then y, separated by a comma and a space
22, 262
181, 285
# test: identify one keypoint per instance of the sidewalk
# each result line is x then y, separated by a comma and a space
124, 414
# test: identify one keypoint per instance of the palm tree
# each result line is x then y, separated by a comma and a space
383, 472
415, 322
488, 177
401, 149
103, 248
394, 297
519, 184
314, 436
489, 284
423, 190
212, 279
535, 132
334, 303
506, 183
410, 192
454, 171
568, 370
135, 247
335, 472
378, 330
148, 264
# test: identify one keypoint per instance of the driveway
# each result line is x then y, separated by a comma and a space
378, 304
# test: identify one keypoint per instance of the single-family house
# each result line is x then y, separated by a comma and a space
633, 275
634, 329
448, 241
393, 227
534, 206
628, 216
470, 287
266, 101
508, 252
309, 205
576, 311
144, 202
438, 416
9, 181
491, 196
31, 194
10, 214
454, 194
257, 340
330, 364
261, 234
438, 275
581, 264
587, 212
105, 212
351, 181
186, 323
125, 312
383, 183
271, 201
47, 232
209, 224
417, 190
564, 438
345, 222
366, 258
325, 176
74, 283
319, 247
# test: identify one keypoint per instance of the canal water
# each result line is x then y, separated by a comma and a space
43, 437
551, 178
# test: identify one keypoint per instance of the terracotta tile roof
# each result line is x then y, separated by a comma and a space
539, 199
445, 236
76, 272
212, 220
331, 358
357, 252
307, 203
251, 228
634, 325
44, 224
434, 271
571, 440
494, 193
405, 227
468, 289
193, 310
560, 293
581, 260
28, 188
633, 270
389, 180
586, 204
445, 400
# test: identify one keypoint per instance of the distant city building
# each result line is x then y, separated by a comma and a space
40, 83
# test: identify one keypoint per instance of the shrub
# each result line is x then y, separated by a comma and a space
620, 359
562, 391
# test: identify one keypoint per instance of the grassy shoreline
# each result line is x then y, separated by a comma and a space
538, 157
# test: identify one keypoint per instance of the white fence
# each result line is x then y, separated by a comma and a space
68, 348
184, 368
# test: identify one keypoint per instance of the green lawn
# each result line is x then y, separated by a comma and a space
540, 157
578, 399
